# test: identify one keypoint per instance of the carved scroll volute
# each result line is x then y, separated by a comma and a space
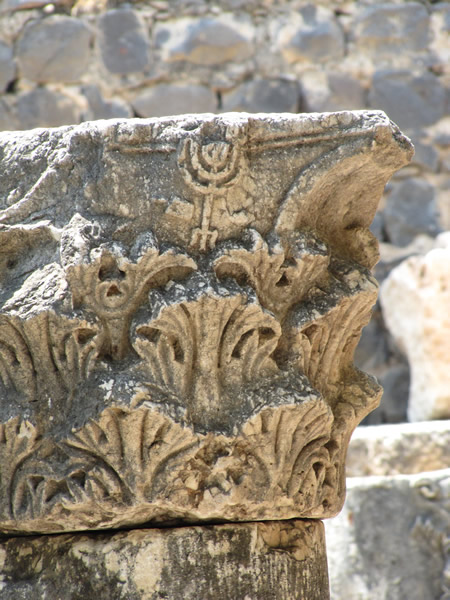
114, 288
197, 349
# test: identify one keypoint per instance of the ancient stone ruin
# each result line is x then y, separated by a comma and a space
181, 300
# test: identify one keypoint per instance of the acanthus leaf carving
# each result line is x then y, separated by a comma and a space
114, 288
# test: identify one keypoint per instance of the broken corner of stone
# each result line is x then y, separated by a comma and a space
180, 303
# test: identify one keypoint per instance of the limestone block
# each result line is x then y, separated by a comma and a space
174, 99
45, 107
54, 49
181, 299
412, 101
123, 41
274, 561
263, 95
391, 540
410, 210
7, 66
208, 41
415, 300
403, 448
312, 35
385, 28
330, 92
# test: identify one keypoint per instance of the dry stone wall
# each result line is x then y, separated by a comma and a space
67, 62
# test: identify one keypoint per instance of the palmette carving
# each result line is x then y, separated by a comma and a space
177, 334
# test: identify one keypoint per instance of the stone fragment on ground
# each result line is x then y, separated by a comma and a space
403, 448
415, 300
391, 540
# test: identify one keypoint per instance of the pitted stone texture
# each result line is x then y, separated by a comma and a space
174, 99
263, 95
391, 539
311, 35
411, 101
415, 299
181, 301
390, 27
208, 41
404, 448
276, 561
55, 49
7, 66
124, 41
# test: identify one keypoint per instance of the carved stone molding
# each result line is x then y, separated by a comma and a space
180, 303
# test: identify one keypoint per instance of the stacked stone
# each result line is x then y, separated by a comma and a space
68, 62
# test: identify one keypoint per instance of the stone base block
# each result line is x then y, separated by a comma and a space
392, 539
250, 561
404, 448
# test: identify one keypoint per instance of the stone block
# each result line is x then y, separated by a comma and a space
329, 92
410, 210
274, 561
384, 28
8, 116
207, 41
43, 107
313, 35
391, 539
180, 305
415, 300
400, 449
7, 66
54, 49
412, 101
263, 95
99, 108
174, 99
123, 41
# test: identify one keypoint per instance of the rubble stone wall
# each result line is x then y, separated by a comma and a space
66, 62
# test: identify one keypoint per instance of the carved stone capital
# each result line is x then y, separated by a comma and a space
180, 303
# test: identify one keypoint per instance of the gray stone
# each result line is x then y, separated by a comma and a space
412, 101
425, 155
274, 561
263, 95
7, 66
316, 38
99, 108
405, 448
54, 49
174, 99
42, 107
331, 92
386, 28
391, 539
410, 210
124, 42
8, 116
393, 405
208, 41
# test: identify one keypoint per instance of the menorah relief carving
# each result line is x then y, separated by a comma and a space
179, 317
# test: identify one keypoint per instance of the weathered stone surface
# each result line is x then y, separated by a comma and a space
124, 42
389, 27
44, 107
410, 210
7, 66
404, 448
416, 299
411, 101
312, 35
274, 561
181, 301
174, 99
208, 41
55, 49
263, 95
391, 540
